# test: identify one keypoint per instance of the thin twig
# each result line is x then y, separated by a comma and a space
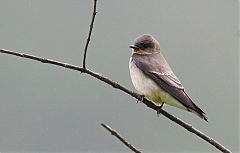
118, 136
116, 85
89, 34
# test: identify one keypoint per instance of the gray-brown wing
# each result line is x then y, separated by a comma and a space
170, 79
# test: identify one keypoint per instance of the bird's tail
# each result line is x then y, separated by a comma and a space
199, 113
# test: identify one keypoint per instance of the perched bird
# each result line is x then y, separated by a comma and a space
154, 79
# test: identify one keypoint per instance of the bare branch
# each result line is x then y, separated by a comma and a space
89, 34
118, 136
116, 85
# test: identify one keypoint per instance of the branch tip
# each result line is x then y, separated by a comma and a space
89, 33
119, 137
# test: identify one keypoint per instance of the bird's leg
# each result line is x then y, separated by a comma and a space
142, 97
159, 108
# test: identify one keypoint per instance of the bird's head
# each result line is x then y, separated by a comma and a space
145, 44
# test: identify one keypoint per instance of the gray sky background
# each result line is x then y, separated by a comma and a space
45, 108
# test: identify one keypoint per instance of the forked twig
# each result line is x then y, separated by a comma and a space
116, 85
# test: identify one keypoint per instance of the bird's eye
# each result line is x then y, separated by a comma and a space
144, 45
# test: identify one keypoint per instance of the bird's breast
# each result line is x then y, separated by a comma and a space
141, 82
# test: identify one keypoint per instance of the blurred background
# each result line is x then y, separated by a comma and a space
45, 108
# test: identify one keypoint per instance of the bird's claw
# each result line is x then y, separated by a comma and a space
142, 97
159, 109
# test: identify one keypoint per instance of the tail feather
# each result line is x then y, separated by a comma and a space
199, 113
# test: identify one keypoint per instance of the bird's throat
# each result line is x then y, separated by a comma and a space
141, 52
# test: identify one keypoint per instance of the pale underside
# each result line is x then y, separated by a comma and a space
147, 87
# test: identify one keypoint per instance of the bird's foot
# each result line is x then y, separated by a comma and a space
159, 109
142, 97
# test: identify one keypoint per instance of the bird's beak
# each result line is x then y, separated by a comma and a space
133, 47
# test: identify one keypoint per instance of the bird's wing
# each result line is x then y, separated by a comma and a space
169, 78
155, 67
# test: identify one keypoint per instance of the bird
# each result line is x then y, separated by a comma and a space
154, 79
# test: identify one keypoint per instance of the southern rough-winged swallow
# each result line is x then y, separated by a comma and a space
153, 78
